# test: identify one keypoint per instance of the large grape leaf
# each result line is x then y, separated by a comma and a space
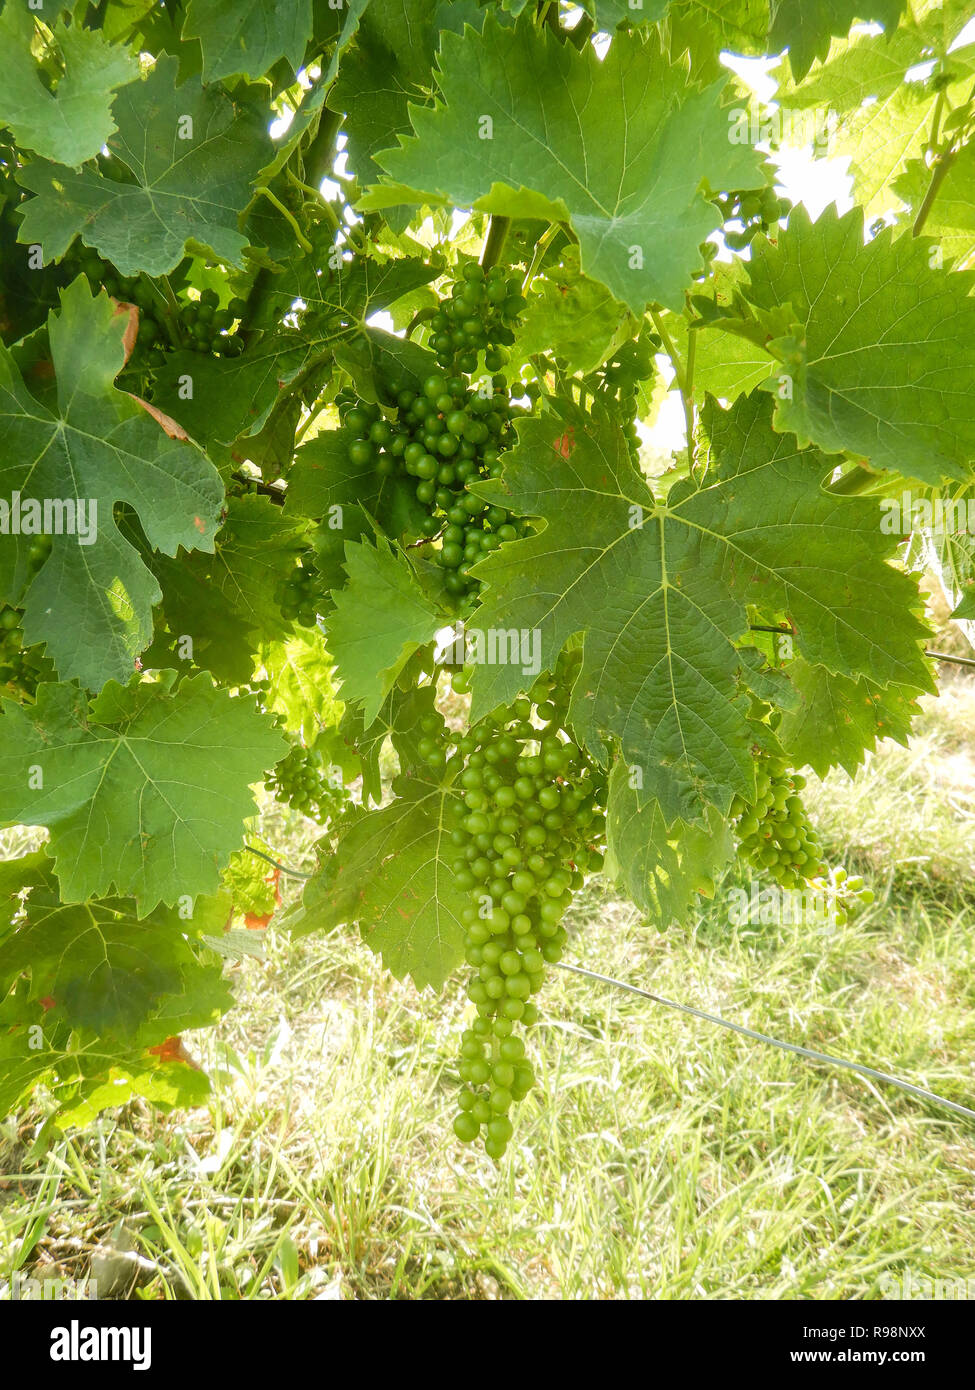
73, 122
660, 591
145, 792
92, 603
101, 968
662, 870
193, 155
381, 617
389, 66
618, 146
806, 27
248, 36
880, 360
85, 1076
389, 877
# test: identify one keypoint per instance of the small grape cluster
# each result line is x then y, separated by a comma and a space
21, 667
773, 832
530, 822
616, 385
476, 316
201, 325
757, 210
301, 780
445, 435
298, 595
849, 894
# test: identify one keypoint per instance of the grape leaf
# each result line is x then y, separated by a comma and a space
300, 684
381, 617
104, 969
92, 602
84, 1078
248, 36
806, 27
838, 720
389, 877
144, 793
193, 155
660, 591
617, 146
880, 360
610, 13
875, 112
952, 215
661, 870
73, 122
574, 318
225, 601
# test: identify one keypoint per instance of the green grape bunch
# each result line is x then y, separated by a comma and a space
302, 781
616, 385
478, 315
756, 209
774, 833
300, 594
528, 826
442, 436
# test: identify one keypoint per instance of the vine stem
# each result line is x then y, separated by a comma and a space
541, 246
945, 158
683, 376
857, 480
421, 316
809, 1053
293, 873
494, 241
305, 425
276, 202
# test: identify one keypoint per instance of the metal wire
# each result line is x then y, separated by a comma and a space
806, 1052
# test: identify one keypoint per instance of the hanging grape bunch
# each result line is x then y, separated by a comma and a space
302, 781
756, 210
774, 832
299, 595
616, 385
447, 434
529, 825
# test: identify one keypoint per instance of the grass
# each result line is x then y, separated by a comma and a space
659, 1157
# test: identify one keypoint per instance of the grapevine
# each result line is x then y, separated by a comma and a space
348, 366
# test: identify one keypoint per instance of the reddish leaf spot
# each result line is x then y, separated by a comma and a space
48, 1002
565, 443
173, 1050
200, 524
